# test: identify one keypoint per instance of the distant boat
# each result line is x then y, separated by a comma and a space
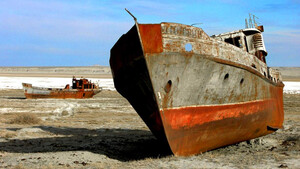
80, 89
197, 92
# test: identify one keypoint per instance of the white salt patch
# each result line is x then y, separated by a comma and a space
106, 84
31, 130
66, 109
5, 110
291, 87
49, 82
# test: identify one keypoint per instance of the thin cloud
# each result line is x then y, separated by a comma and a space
290, 36
63, 29
77, 28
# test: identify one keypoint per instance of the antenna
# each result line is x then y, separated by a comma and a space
246, 23
196, 24
250, 21
131, 15
255, 24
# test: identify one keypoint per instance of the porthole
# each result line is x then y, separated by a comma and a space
188, 47
242, 81
168, 86
226, 76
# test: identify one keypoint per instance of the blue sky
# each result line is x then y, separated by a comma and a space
81, 33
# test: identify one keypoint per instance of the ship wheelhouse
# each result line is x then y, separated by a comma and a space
249, 40
82, 84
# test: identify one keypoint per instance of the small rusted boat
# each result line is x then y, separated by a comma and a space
198, 92
80, 89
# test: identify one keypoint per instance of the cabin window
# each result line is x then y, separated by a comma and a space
229, 40
234, 41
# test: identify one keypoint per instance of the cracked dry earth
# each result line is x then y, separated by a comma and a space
106, 132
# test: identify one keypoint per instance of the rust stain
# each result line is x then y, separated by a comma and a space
63, 95
202, 128
214, 134
198, 115
151, 38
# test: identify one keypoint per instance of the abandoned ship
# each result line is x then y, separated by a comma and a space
81, 88
198, 92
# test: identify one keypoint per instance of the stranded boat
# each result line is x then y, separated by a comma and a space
197, 92
80, 89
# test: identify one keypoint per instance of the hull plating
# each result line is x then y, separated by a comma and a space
195, 100
63, 94
192, 130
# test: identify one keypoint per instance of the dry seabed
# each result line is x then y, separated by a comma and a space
105, 132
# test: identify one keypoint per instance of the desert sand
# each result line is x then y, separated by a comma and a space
106, 132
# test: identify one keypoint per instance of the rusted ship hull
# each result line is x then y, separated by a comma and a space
198, 99
63, 95
203, 128
32, 92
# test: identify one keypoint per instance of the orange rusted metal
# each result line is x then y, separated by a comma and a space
203, 128
151, 38
81, 88
197, 92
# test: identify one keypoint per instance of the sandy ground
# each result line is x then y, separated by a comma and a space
105, 132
